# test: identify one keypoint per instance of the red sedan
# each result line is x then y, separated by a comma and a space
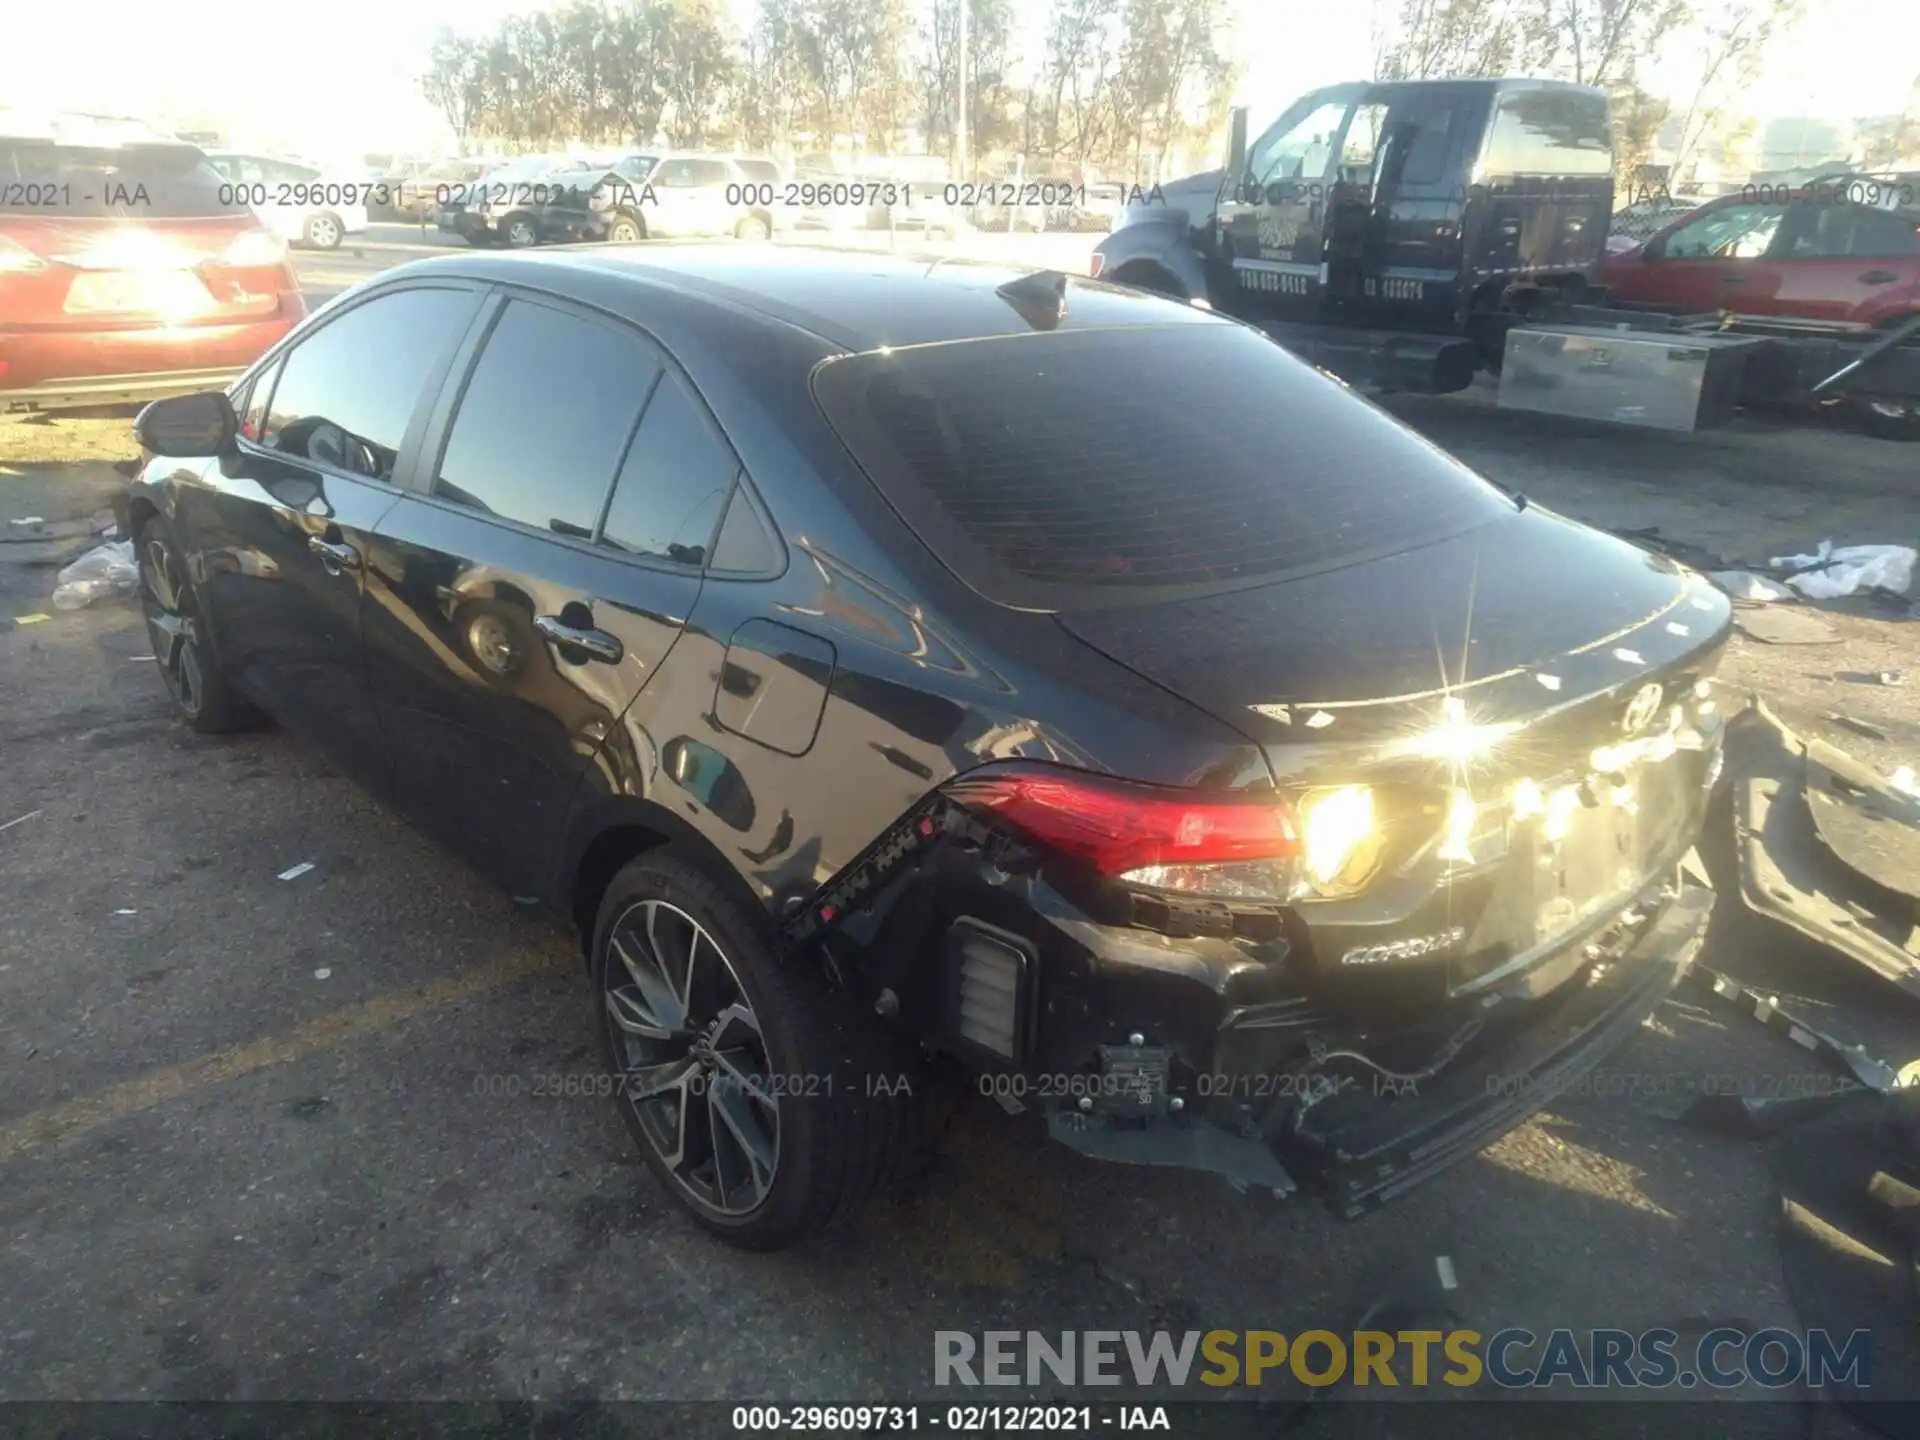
129, 271
1816, 256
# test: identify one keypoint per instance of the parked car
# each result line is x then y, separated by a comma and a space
1804, 255
816, 633
1635, 224
503, 206
129, 270
414, 189
671, 196
297, 199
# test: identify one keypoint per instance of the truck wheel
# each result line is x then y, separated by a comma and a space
765, 1104
520, 233
624, 231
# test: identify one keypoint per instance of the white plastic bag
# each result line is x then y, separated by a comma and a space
1849, 570
104, 571
1745, 585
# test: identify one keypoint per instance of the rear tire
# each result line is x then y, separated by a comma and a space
753, 227
756, 1093
193, 674
520, 233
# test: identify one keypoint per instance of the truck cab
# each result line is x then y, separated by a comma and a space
1444, 208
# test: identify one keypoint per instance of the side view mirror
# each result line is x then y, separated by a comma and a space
188, 427
1236, 142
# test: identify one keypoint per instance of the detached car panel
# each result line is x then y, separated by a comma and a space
821, 636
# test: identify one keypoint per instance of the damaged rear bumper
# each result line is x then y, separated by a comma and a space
1361, 1139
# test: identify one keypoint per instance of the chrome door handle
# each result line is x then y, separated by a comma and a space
334, 556
597, 643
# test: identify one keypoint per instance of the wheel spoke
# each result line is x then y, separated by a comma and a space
652, 1082
655, 1002
743, 1152
631, 1014
737, 1071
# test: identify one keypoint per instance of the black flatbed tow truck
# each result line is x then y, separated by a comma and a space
1415, 235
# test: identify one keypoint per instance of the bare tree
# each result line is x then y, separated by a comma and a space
1429, 39
1895, 138
1597, 42
1733, 43
456, 82
697, 67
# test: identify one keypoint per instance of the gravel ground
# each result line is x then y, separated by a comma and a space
274, 1139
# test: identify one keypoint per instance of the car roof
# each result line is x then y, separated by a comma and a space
856, 301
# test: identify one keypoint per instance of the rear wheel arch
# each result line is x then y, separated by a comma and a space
616, 833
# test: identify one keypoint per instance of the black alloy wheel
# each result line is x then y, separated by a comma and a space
768, 1105
693, 1063
177, 633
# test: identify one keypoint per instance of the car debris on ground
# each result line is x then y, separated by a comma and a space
103, 572
1828, 574
1827, 846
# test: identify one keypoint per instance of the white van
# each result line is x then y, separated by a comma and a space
295, 198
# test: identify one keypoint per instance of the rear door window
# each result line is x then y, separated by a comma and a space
146, 182
675, 481
1825, 230
1028, 465
545, 417
349, 390
1550, 133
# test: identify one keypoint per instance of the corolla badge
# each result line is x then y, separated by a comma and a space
1642, 708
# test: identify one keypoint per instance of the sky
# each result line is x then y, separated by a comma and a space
339, 78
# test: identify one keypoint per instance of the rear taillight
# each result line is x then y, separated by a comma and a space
1096, 262
16, 259
1197, 843
254, 250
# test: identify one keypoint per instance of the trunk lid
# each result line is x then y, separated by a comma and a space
1358, 654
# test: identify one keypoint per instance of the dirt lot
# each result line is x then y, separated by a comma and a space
273, 1139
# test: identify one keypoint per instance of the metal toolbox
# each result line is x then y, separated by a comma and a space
1659, 380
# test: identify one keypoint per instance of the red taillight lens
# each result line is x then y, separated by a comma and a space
1096, 262
1118, 828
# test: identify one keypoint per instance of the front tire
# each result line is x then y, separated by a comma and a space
747, 1082
624, 231
521, 234
753, 227
194, 676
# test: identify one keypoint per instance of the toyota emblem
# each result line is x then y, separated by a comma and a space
1642, 708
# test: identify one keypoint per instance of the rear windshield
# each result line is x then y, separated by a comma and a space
1098, 467
165, 182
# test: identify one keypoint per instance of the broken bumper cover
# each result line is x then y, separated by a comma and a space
1827, 847
1406, 1139
1364, 1144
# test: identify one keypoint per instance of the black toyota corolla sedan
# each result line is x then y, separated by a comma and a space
900, 670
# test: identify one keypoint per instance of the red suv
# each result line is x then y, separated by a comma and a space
1815, 254
129, 271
